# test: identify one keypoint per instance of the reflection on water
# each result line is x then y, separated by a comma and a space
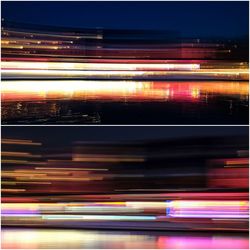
119, 91
68, 239
127, 102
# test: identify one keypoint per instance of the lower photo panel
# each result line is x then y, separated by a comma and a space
125, 187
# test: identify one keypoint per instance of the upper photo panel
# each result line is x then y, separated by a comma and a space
132, 63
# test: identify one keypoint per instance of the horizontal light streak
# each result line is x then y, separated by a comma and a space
73, 169
99, 217
204, 74
99, 158
118, 90
119, 72
19, 154
50, 34
223, 215
97, 66
208, 203
207, 209
31, 41
20, 142
234, 213
69, 86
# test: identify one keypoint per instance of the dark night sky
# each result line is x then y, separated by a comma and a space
64, 135
194, 19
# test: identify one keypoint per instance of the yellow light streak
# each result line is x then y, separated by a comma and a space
241, 74
97, 66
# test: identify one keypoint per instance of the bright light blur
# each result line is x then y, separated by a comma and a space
180, 184
56, 75
203, 74
118, 90
185, 189
96, 66
75, 239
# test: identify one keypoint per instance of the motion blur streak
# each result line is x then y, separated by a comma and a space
76, 239
189, 209
61, 75
96, 66
35, 51
118, 90
178, 184
206, 74
208, 209
21, 142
